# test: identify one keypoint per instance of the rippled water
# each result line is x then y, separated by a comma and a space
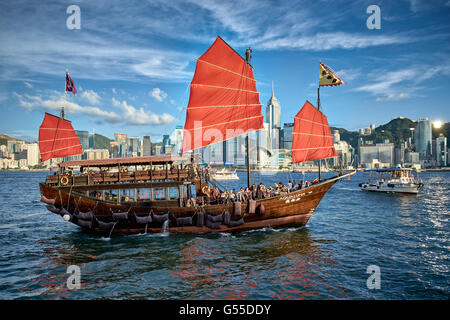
406, 236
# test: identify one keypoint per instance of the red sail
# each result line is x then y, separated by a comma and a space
57, 138
312, 138
223, 101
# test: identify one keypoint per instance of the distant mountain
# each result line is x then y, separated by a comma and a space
4, 139
395, 131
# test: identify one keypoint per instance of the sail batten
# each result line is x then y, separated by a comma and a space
57, 138
223, 102
311, 139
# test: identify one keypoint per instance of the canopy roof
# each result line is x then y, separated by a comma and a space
154, 160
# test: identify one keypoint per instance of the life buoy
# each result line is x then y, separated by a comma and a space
206, 189
64, 180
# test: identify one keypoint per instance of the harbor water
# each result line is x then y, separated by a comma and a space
405, 236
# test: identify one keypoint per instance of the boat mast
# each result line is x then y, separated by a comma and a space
248, 57
65, 97
318, 108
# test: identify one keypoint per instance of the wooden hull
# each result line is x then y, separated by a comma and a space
290, 210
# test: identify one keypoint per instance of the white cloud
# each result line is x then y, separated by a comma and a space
90, 96
400, 84
393, 97
158, 94
54, 103
139, 116
28, 85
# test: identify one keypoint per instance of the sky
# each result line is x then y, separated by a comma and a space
132, 61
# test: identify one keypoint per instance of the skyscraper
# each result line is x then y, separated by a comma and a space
84, 138
441, 151
146, 146
273, 118
423, 138
287, 136
273, 112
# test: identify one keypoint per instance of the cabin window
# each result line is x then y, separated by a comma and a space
143, 194
160, 194
173, 192
111, 195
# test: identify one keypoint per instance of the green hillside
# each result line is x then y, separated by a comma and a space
101, 142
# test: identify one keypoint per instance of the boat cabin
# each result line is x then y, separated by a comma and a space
167, 180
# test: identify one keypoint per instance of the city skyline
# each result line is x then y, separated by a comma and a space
132, 71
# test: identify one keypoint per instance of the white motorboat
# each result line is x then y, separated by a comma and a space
392, 180
225, 174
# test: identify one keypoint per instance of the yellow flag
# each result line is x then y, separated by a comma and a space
327, 77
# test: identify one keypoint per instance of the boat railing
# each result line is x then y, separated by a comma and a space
90, 178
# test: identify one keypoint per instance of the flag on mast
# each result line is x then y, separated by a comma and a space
70, 86
327, 77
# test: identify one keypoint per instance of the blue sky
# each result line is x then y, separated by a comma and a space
132, 61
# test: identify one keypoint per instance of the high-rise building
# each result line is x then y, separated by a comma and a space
336, 136
133, 145
178, 139
83, 136
441, 151
146, 146
423, 138
380, 153
32, 154
286, 136
165, 142
273, 112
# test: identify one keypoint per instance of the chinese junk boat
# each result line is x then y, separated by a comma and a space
151, 194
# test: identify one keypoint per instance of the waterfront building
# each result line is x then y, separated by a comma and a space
423, 138
286, 136
400, 154
32, 154
378, 155
146, 146
177, 138
165, 142
96, 154
14, 146
336, 136
344, 152
441, 151
273, 118
157, 149
114, 146
83, 136
133, 145
273, 112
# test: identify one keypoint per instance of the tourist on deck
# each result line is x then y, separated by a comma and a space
248, 194
232, 195
289, 186
241, 195
294, 186
224, 196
